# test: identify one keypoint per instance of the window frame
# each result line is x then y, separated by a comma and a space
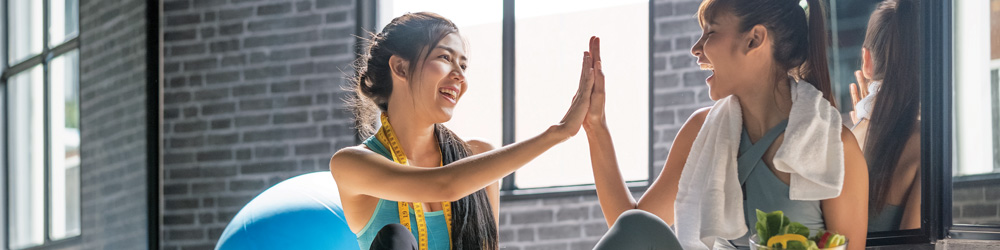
938, 58
43, 59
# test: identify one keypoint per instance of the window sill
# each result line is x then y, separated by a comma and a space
67, 243
563, 191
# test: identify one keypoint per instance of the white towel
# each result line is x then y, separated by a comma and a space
863, 109
709, 198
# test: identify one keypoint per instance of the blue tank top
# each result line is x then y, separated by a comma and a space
387, 212
763, 190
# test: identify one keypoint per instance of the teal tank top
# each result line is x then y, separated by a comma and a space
763, 190
888, 220
387, 212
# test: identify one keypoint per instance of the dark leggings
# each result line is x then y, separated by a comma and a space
637, 229
394, 237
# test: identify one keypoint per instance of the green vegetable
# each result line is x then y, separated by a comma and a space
776, 223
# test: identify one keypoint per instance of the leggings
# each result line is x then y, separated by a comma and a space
394, 237
637, 229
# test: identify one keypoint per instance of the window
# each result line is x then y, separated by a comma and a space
26, 159
25, 37
547, 59
550, 37
976, 168
64, 125
41, 117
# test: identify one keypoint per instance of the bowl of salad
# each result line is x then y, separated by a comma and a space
776, 232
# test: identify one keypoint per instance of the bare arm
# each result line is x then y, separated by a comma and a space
660, 197
612, 192
361, 172
847, 214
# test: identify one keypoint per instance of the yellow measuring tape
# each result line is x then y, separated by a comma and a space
387, 137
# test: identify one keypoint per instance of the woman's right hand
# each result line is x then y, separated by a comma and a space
858, 91
571, 122
595, 114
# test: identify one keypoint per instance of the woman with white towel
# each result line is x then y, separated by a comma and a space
772, 141
889, 132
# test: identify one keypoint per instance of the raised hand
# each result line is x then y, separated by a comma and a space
595, 115
577, 112
858, 91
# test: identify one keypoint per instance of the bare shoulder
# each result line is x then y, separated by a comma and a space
848, 138
348, 155
853, 157
693, 125
478, 146
699, 116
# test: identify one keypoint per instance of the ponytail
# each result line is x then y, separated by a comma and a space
815, 69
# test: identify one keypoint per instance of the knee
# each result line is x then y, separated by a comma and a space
393, 230
394, 236
636, 218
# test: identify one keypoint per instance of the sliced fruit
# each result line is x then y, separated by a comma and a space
784, 239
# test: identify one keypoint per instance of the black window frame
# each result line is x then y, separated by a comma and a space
49, 52
945, 227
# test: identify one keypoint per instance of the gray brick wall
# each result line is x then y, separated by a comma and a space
678, 84
576, 222
252, 96
559, 223
976, 202
113, 124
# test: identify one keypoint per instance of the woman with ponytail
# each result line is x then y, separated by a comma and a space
414, 184
772, 141
887, 115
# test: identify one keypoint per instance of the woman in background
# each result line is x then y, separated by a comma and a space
887, 115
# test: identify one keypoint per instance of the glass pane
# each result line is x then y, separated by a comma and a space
479, 112
64, 18
26, 160
64, 92
880, 41
25, 17
977, 161
550, 37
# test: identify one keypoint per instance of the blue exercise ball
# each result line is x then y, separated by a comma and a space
302, 212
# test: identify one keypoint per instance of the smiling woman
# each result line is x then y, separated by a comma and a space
412, 76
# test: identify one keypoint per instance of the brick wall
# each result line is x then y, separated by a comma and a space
252, 96
678, 84
976, 200
113, 124
576, 221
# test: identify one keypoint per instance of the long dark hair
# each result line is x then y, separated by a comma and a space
892, 39
799, 40
473, 224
